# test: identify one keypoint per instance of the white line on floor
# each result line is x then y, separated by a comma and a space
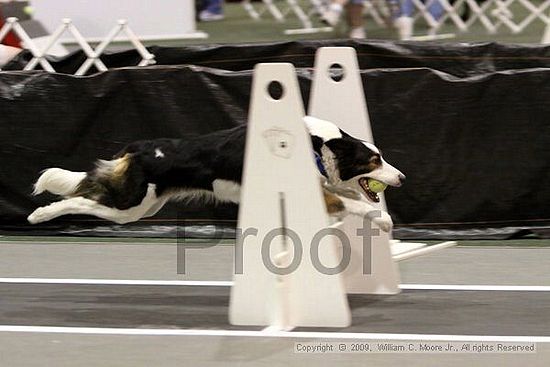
466, 287
227, 283
201, 283
274, 334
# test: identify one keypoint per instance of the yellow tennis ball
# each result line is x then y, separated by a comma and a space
376, 186
29, 10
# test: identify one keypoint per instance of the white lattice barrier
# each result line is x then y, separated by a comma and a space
493, 15
92, 55
12, 24
505, 15
268, 6
293, 7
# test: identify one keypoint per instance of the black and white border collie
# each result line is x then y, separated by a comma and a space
141, 178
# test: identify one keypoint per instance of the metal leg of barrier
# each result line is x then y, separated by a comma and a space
250, 10
267, 5
307, 24
274, 10
373, 12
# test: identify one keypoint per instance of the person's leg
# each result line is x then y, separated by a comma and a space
213, 11
404, 22
334, 12
407, 8
355, 19
214, 6
435, 9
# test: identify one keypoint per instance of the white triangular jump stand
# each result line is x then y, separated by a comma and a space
343, 103
281, 189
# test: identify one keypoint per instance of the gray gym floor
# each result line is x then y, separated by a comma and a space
49, 322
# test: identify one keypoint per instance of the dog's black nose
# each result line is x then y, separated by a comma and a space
402, 178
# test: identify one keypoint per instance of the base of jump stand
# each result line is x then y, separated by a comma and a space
408, 250
433, 37
309, 30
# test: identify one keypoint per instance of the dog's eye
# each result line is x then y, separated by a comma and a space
375, 160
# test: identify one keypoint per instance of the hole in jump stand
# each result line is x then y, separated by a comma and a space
275, 90
336, 72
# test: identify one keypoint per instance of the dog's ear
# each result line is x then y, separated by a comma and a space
317, 143
341, 147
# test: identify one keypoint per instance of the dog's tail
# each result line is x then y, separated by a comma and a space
58, 181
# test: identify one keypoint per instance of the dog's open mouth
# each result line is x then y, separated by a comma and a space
364, 183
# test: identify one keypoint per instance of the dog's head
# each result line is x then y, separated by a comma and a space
350, 162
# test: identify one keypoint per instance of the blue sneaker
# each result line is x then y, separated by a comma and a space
207, 16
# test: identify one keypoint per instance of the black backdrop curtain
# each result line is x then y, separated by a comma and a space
466, 123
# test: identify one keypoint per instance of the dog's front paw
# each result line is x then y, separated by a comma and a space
38, 216
384, 221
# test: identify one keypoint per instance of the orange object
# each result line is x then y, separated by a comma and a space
11, 39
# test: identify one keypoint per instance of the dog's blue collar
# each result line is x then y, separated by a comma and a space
320, 165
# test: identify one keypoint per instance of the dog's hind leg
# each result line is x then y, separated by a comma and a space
156, 207
81, 205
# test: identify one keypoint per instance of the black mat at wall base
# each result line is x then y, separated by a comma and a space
476, 150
